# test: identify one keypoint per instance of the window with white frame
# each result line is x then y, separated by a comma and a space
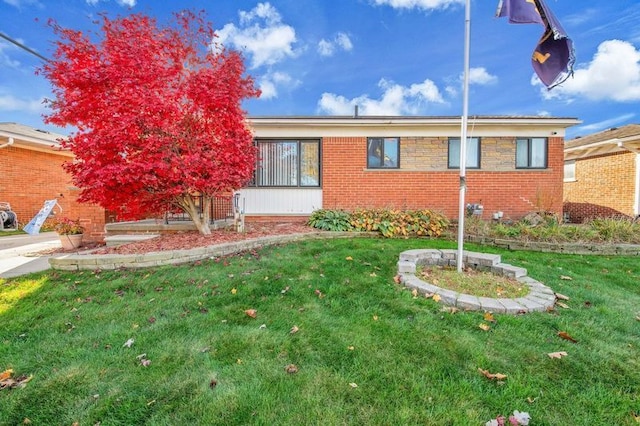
531, 153
383, 153
472, 154
288, 163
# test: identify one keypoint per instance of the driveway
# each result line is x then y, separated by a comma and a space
20, 254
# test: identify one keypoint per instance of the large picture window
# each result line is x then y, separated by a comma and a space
383, 153
473, 153
288, 163
531, 153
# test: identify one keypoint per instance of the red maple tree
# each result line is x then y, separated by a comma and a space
158, 115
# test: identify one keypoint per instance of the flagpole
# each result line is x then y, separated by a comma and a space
463, 134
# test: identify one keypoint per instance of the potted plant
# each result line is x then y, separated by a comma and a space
70, 232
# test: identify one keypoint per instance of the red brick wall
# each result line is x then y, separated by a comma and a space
28, 178
606, 181
347, 184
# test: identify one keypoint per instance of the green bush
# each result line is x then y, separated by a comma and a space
389, 223
330, 220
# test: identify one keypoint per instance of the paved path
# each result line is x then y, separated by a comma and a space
19, 253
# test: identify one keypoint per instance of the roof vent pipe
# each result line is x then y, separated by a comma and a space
355, 111
4, 145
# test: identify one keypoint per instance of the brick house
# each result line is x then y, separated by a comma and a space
31, 172
514, 164
602, 174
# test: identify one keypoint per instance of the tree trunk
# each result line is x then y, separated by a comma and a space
187, 203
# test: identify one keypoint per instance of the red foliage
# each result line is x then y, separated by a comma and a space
157, 111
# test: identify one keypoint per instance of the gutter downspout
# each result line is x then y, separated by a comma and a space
9, 143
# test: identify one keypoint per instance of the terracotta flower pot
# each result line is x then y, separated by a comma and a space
70, 242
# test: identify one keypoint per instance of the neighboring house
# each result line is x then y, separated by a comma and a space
514, 164
31, 172
602, 174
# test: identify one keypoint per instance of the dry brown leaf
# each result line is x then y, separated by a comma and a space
291, 369
436, 298
397, 279
531, 400
483, 326
348, 258
561, 296
492, 376
26, 421
449, 309
429, 295
294, 329
488, 316
5, 374
251, 313
562, 305
564, 335
414, 293
566, 278
557, 355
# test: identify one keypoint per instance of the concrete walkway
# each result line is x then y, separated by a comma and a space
20, 254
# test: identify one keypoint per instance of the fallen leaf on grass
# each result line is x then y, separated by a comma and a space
284, 290
564, 335
375, 318
492, 376
636, 417
531, 400
234, 290
561, 296
145, 362
562, 305
436, 298
449, 309
291, 369
488, 316
128, 343
557, 355
397, 279
213, 383
6, 380
251, 313
319, 294
373, 274
351, 348
566, 278
353, 385
6, 374
294, 329
414, 293
348, 258
483, 326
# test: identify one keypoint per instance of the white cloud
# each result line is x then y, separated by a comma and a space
5, 58
418, 4
21, 3
127, 3
395, 100
340, 41
613, 74
13, 104
261, 34
481, 77
271, 83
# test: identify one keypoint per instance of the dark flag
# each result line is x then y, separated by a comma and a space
553, 57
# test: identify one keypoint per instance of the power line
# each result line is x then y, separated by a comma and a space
22, 46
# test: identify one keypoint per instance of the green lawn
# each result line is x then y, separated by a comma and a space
367, 352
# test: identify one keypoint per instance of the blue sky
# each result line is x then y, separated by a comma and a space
389, 57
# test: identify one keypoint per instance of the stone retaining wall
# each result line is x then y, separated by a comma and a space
565, 248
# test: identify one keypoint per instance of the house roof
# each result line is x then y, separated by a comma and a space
617, 139
357, 125
30, 138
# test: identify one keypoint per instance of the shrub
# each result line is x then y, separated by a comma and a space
330, 220
400, 223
